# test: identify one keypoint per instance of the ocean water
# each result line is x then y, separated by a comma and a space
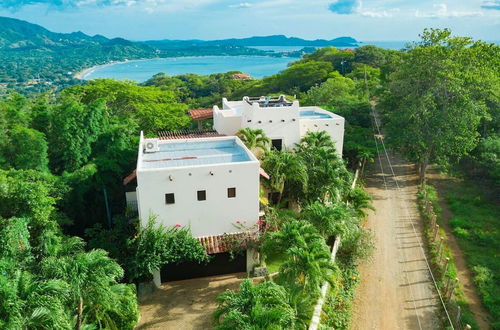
256, 66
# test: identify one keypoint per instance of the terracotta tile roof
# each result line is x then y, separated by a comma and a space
199, 114
216, 244
131, 177
241, 76
164, 135
263, 173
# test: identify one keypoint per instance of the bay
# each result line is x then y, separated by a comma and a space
142, 70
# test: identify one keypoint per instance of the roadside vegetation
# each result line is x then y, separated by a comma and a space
440, 106
475, 225
313, 204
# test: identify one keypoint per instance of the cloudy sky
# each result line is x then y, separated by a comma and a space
213, 19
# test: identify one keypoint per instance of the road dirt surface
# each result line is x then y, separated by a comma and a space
186, 304
396, 289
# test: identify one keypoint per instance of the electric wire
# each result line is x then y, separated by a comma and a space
409, 217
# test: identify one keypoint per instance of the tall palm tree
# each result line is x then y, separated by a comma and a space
287, 172
255, 140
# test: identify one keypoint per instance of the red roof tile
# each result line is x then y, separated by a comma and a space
199, 114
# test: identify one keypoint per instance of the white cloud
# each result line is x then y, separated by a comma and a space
241, 5
441, 11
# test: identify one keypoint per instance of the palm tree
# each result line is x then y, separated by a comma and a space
255, 140
287, 172
34, 303
291, 233
329, 220
95, 294
306, 268
264, 306
360, 201
319, 139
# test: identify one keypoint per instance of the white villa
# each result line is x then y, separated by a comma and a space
209, 180
282, 121
209, 184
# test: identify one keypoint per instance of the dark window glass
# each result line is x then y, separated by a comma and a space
231, 192
202, 195
169, 199
277, 144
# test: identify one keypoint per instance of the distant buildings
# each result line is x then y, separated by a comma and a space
284, 122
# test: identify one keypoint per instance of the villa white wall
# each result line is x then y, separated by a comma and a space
226, 121
214, 216
334, 127
277, 123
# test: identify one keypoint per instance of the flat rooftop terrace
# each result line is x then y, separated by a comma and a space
194, 152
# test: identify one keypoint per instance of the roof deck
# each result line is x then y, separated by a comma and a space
195, 152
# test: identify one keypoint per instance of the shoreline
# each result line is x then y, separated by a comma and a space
80, 75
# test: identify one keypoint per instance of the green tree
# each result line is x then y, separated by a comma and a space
264, 306
26, 149
287, 173
150, 108
74, 128
434, 105
95, 293
338, 91
254, 139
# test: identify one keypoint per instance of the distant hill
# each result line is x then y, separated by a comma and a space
274, 40
34, 58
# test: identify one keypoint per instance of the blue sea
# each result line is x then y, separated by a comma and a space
256, 66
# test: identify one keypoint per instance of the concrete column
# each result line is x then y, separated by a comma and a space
252, 259
157, 278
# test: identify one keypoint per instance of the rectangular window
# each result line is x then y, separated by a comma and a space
231, 192
202, 195
277, 144
169, 198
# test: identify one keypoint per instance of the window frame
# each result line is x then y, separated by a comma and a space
204, 195
231, 192
169, 201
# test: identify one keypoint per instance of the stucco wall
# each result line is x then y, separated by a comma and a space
214, 216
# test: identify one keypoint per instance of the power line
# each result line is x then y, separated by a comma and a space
406, 273
408, 215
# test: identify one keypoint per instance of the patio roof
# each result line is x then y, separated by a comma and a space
200, 114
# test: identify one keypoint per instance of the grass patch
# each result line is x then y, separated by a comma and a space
475, 223
437, 253
274, 261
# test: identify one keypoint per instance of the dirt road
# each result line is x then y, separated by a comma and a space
396, 290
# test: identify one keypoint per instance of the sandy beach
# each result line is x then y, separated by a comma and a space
81, 74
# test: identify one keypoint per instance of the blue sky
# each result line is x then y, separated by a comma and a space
213, 19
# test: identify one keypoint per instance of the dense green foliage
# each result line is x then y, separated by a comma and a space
475, 224
140, 251
47, 279
442, 90
297, 239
